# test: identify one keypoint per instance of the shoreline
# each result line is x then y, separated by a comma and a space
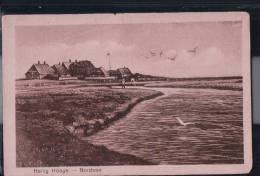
67, 138
128, 158
94, 126
122, 113
198, 87
43, 114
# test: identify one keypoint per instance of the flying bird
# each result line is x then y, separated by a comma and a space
194, 50
152, 53
183, 123
161, 53
172, 58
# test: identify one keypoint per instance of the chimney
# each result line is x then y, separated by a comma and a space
39, 62
69, 60
44, 62
76, 60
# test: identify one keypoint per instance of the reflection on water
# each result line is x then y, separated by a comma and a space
151, 130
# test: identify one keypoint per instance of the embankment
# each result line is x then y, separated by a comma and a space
91, 127
42, 115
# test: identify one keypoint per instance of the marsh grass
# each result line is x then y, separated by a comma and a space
42, 115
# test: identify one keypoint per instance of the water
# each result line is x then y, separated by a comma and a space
152, 132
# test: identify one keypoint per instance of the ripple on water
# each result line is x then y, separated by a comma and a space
151, 131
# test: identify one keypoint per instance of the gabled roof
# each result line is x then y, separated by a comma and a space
67, 64
43, 69
103, 70
124, 71
60, 69
84, 63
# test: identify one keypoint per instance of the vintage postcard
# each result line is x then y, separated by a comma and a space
127, 94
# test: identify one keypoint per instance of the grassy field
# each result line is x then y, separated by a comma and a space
224, 84
51, 119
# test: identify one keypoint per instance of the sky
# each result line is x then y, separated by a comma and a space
160, 49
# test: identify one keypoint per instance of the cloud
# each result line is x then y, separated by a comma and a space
208, 61
130, 45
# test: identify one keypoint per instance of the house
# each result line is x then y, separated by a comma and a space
82, 69
121, 73
66, 65
101, 72
124, 73
113, 73
39, 71
60, 71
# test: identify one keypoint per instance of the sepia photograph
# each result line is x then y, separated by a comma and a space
129, 90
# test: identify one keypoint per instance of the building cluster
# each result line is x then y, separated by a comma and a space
75, 70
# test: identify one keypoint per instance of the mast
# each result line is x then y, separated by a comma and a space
109, 64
